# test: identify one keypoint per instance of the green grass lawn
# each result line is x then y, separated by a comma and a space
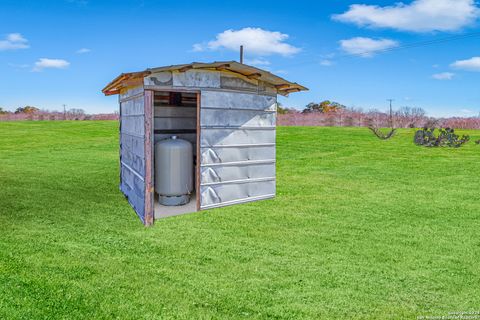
360, 228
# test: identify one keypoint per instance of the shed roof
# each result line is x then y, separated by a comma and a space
283, 86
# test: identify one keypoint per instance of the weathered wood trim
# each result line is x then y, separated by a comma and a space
120, 142
149, 137
198, 160
186, 68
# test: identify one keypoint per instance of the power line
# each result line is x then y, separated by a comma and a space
395, 48
416, 44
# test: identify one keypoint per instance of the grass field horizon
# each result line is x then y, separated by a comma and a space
360, 229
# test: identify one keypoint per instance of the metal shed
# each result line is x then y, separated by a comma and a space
227, 110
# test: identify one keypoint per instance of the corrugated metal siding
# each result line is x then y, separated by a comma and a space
237, 142
132, 149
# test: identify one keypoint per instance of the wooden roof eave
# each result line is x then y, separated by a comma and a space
248, 73
118, 83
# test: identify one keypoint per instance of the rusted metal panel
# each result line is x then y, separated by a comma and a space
197, 79
237, 146
125, 94
164, 78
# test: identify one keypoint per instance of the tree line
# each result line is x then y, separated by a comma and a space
330, 113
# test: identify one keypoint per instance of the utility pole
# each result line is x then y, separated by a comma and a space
64, 112
241, 54
391, 112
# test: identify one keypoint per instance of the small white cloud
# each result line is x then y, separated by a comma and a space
326, 63
197, 47
259, 62
472, 64
45, 63
19, 66
366, 47
83, 50
256, 41
467, 112
14, 41
418, 16
443, 76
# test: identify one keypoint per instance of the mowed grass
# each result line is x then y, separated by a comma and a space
360, 228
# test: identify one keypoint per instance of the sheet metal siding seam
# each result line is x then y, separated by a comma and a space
237, 128
238, 201
238, 181
246, 145
239, 109
237, 163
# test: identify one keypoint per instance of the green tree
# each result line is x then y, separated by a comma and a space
323, 107
27, 109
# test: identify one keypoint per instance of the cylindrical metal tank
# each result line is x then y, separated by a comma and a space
173, 171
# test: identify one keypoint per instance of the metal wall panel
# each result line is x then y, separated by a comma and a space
211, 155
238, 118
237, 145
215, 137
237, 100
132, 149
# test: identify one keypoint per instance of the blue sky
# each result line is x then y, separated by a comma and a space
66, 51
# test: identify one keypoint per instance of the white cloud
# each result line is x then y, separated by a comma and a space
366, 47
18, 66
45, 63
257, 62
443, 76
326, 63
13, 41
472, 64
197, 47
418, 16
83, 50
256, 41
467, 112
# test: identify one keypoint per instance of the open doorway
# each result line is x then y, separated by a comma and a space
175, 118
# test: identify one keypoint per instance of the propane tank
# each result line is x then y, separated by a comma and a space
173, 171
